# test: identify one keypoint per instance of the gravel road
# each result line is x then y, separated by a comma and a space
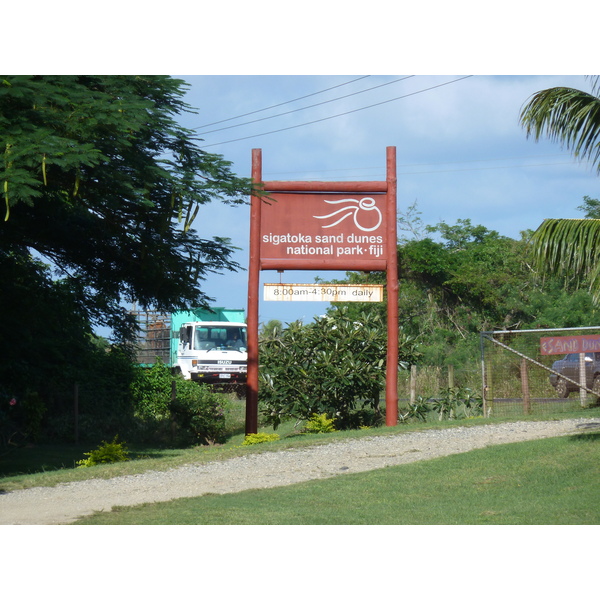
65, 503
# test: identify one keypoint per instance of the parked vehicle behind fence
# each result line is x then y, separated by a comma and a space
569, 367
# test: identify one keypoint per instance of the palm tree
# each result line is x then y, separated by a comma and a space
568, 246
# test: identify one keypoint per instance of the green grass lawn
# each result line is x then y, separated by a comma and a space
544, 482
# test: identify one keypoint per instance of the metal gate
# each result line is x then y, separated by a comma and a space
539, 371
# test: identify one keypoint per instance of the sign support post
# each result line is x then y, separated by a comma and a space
253, 291
391, 381
312, 225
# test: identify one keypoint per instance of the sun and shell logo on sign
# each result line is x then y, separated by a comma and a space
356, 209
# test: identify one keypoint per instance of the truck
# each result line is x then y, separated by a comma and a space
205, 345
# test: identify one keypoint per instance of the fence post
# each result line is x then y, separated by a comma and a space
413, 384
173, 399
76, 410
525, 387
489, 390
582, 381
450, 376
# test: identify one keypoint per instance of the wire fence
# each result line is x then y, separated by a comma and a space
431, 382
539, 371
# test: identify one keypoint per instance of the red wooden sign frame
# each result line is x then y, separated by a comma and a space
315, 225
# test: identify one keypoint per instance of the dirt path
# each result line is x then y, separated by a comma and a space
65, 503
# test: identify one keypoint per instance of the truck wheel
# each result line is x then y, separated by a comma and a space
561, 389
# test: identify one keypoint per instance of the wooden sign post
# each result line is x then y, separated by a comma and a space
315, 225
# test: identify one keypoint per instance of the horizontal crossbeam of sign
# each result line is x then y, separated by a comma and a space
313, 264
352, 187
305, 292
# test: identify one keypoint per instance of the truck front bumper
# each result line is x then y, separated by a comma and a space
218, 377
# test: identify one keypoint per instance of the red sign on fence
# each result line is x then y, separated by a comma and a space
570, 344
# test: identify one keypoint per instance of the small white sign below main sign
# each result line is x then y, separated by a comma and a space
307, 292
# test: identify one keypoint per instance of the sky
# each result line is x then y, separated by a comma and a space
461, 154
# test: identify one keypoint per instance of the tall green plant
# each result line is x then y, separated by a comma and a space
195, 409
199, 412
151, 391
334, 365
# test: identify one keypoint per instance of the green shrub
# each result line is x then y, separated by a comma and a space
453, 403
319, 424
454, 398
418, 410
107, 452
259, 438
151, 391
334, 365
199, 412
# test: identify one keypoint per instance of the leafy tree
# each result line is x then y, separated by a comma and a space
569, 248
334, 366
271, 329
591, 207
99, 190
99, 180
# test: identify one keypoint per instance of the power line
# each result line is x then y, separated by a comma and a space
484, 168
400, 172
400, 166
306, 107
281, 103
338, 115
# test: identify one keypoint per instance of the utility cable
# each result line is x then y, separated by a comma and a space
282, 103
338, 115
307, 107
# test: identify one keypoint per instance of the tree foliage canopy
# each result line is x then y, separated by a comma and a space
100, 181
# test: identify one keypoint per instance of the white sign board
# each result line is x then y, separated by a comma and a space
307, 292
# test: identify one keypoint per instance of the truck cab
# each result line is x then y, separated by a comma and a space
213, 351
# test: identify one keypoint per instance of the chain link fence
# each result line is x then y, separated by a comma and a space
539, 371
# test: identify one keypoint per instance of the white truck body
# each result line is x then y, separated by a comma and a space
213, 351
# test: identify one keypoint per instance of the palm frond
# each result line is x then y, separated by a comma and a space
566, 115
569, 247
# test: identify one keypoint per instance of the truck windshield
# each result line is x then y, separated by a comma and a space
208, 337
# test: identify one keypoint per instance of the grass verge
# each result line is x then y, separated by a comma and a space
49, 465
544, 482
